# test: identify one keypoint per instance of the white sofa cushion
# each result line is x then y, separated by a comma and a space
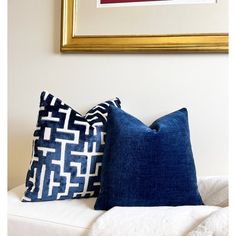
67, 217
76, 217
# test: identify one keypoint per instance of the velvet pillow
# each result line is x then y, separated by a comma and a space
67, 151
147, 166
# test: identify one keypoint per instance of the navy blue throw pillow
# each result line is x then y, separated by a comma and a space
147, 166
67, 151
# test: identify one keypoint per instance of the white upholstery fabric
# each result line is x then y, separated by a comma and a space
61, 218
150, 221
206, 220
214, 190
77, 217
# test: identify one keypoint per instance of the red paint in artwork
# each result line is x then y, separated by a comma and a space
122, 1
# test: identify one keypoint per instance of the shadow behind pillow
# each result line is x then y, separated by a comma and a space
147, 166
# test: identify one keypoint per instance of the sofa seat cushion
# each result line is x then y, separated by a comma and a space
69, 217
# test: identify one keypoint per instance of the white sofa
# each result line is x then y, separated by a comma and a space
78, 218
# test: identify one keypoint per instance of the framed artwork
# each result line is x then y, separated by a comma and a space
116, 3
144, 26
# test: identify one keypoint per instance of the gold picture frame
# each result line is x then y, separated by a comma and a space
176, 43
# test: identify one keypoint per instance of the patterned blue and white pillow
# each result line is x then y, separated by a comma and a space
67, 151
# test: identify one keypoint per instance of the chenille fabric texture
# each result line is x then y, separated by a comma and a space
147, 166
67, 151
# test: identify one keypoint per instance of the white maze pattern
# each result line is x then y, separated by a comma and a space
67, 151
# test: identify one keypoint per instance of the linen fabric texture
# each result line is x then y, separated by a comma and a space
67, 151
148, 166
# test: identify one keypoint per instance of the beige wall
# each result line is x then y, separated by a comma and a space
148, 85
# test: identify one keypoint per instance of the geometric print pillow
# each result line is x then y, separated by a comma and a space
67, 151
